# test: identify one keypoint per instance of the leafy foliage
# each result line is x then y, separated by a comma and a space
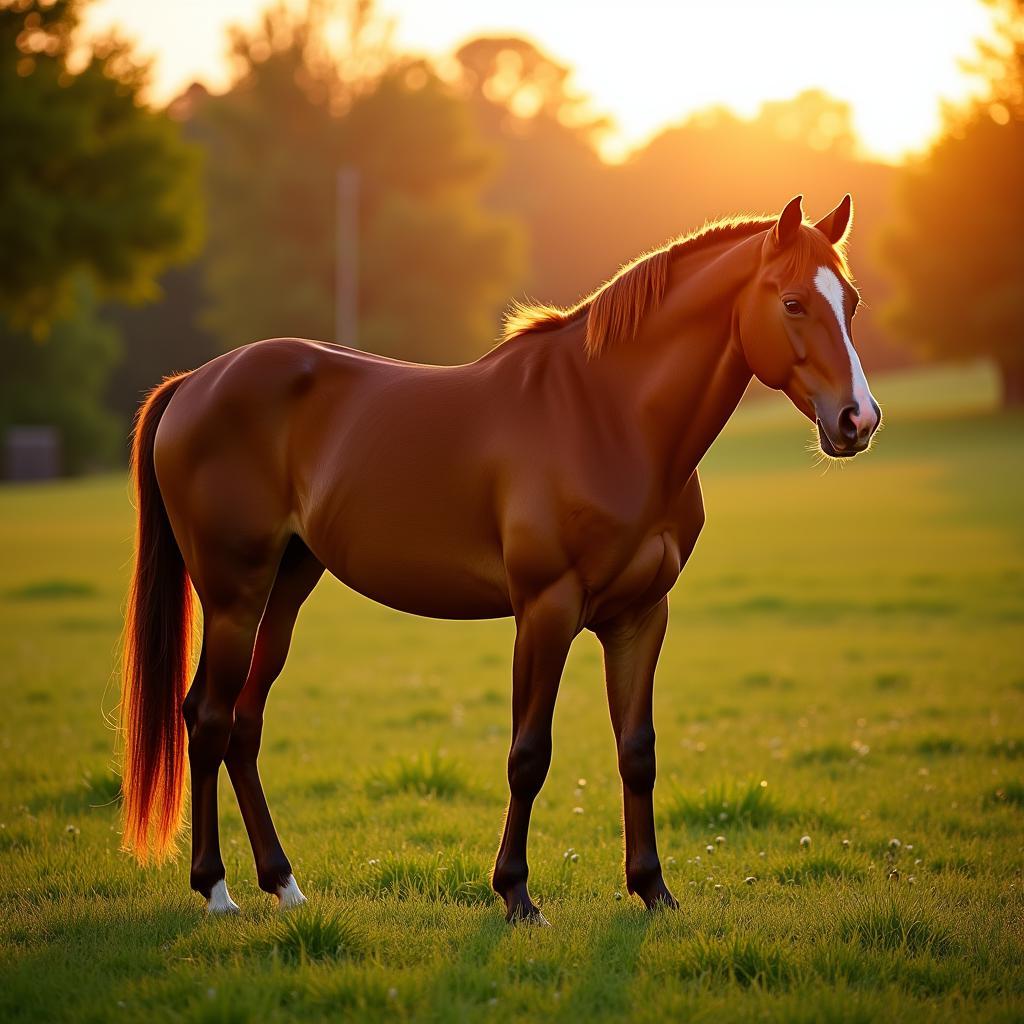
90, 179
955, 251
58, 379
434, 268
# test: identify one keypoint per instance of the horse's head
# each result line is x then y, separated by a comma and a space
795, 322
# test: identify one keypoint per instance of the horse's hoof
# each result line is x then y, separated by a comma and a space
531, 915
668, 902
220, 901
289, 895
659, 898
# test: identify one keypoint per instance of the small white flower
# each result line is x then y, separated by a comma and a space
709, 848
577, 810
750, 880
719, 840
894, 844
805, 841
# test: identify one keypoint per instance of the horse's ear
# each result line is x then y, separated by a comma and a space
835, 226
789, 221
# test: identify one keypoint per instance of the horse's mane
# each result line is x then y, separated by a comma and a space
616, 308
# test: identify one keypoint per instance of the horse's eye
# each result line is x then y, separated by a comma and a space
793, 307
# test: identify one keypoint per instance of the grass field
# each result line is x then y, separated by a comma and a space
853, 638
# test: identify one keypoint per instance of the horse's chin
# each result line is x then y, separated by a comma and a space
826, 445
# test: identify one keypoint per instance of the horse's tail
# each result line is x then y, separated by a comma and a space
157, 653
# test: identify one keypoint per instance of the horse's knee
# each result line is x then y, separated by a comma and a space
637, 759
528, 763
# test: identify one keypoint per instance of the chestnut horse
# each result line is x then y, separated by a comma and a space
554, 479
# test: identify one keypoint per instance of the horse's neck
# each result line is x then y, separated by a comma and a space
685, 373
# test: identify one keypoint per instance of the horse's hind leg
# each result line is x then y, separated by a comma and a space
233, 594
298, 574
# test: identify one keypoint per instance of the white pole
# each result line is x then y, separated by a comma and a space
346, 269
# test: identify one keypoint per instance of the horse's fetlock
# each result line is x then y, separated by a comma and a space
641, 871
203, 877
508, 875
273, 875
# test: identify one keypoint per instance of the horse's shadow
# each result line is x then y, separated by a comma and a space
600, 985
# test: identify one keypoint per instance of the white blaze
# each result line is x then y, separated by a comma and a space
831, 288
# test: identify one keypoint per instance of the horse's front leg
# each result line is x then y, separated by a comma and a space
632, 642
545, 629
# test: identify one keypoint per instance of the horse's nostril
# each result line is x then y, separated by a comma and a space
848, 423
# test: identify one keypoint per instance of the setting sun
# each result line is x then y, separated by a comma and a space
650, 63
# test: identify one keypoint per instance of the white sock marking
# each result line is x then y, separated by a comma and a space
220, 902
831, 287
289, 894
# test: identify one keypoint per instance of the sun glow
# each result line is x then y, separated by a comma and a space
650, 63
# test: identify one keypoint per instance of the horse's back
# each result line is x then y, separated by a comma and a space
378, 465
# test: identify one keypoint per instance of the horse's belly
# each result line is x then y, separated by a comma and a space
452, 580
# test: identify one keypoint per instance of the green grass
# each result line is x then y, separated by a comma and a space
852, 636
424, 774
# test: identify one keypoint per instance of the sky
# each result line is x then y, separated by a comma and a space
648, 63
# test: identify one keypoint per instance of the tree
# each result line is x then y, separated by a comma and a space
435, 268
59, 379
955, 251
550, 175
92, 182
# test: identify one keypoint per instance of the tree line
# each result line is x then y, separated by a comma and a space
138, 242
